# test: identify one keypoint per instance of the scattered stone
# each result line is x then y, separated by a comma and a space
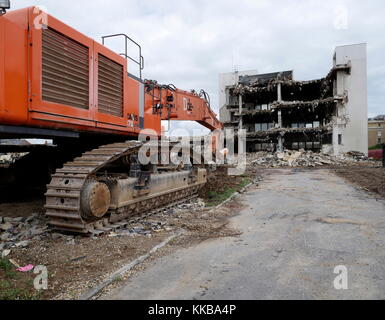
127, 233
78, 258
11, 157
5, 236
308, 158
14, 263
6, 226
56, 236
22, 244
35, 231
17, 230
137, 229
112, 234
71, 242
5, 253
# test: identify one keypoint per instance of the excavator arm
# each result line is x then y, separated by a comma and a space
175, 104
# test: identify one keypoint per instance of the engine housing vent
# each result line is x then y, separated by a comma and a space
65, 70
110, 87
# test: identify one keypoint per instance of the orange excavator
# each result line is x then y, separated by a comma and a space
58, 84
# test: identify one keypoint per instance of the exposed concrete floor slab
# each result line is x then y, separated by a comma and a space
296, 228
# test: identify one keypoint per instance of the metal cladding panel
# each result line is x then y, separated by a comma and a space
65, 70
110, 87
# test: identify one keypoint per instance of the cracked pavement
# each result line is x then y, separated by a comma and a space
297, 226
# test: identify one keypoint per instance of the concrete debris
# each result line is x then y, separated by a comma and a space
6, 226
356, 155
5, 253
14, 262
22, 244
19, 232
10, 157
71, 242
156, 224
303, 104
304, 158
56, 236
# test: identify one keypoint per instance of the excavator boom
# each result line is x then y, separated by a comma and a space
175, 104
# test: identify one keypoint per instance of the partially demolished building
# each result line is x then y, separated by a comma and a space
278, 112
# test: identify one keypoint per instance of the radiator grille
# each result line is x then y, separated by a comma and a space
110, 87
65, 70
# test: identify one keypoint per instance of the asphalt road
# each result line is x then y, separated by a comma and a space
298, 225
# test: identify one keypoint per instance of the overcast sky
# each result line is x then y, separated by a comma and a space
189, 42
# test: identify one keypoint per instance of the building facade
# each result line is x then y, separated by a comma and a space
278, 112
376, 131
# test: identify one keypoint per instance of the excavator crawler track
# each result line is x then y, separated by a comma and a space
64, 194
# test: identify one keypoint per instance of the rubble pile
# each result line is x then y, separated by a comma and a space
19, 232
304, 158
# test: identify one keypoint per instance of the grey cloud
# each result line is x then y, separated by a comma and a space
190, 42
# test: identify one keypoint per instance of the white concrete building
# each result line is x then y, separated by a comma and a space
328, 114
350, 131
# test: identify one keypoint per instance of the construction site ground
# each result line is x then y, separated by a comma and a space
294, 230
77, 263
288, 215
369, 179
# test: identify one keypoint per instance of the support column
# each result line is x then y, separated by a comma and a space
240, 113
279, 99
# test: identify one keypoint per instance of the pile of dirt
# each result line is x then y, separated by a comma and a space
219, 184
370, 179
304, 158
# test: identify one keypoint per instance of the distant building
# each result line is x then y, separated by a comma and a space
279, 112
18, 142
376, 130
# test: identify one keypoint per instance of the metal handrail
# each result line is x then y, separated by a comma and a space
140, 63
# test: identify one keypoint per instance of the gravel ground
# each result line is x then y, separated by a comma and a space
369, 179
77, 263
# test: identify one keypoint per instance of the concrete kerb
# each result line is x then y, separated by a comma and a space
94, 291
234, 195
